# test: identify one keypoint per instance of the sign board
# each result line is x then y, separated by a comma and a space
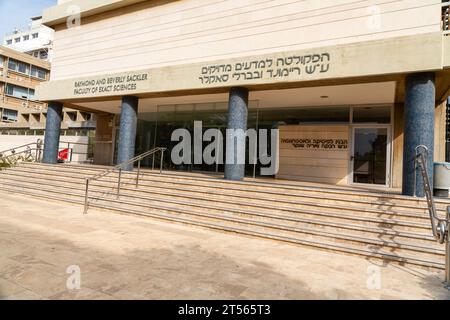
378, 57
314, 153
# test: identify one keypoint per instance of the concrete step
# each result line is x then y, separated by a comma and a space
305, 218
370, 251
244, 195
287, 223
332, 192
243, 199
382, 226
349, 215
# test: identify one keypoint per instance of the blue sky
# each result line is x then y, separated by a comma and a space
17, 13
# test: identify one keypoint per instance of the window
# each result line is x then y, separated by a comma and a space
16, 40
9, 115
9, 42
18, 66
35, 35
12, 65
24, 68
31, 94
38, 72
26, 37
9, 90
43, 55
19, 92
1, 61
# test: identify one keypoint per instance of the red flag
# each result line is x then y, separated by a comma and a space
63, 154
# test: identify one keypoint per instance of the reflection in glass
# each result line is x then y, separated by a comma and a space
370, 156
155, 130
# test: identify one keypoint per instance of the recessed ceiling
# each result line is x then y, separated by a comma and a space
355, 94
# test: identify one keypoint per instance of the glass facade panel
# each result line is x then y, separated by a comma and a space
370, 155
155, 130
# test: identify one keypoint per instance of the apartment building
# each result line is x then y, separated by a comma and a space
23, 118
36, 40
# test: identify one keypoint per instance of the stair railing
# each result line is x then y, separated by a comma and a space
119, 168
440, 227
28, 152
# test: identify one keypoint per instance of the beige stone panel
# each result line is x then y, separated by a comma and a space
104, 140
313, 171
342, 181
313, 154
145, 36
439, 132
60, 13
389, 56
315, 162
397, 165
446, 52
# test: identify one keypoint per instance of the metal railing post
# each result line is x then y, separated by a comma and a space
162, 161
118, 182
119, 168
138, 173
447, 251
86, 197
39, 147
37, 152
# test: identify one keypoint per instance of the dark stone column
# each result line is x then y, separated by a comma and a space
52, 132
237, 119
418, 128
127, 133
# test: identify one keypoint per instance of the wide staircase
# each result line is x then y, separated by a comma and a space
372, 224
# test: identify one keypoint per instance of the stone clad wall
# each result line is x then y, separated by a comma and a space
152, 34
315, 153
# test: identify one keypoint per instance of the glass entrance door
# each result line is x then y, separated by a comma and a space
370, 159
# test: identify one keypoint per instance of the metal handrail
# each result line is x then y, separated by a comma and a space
119, 168
440, 227
20, 147
28, 150
38, 147
6, 159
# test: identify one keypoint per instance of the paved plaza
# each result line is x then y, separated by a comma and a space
49, 249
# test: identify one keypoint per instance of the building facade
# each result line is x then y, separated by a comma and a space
353, 86
36, 40
23, 118
20, 74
